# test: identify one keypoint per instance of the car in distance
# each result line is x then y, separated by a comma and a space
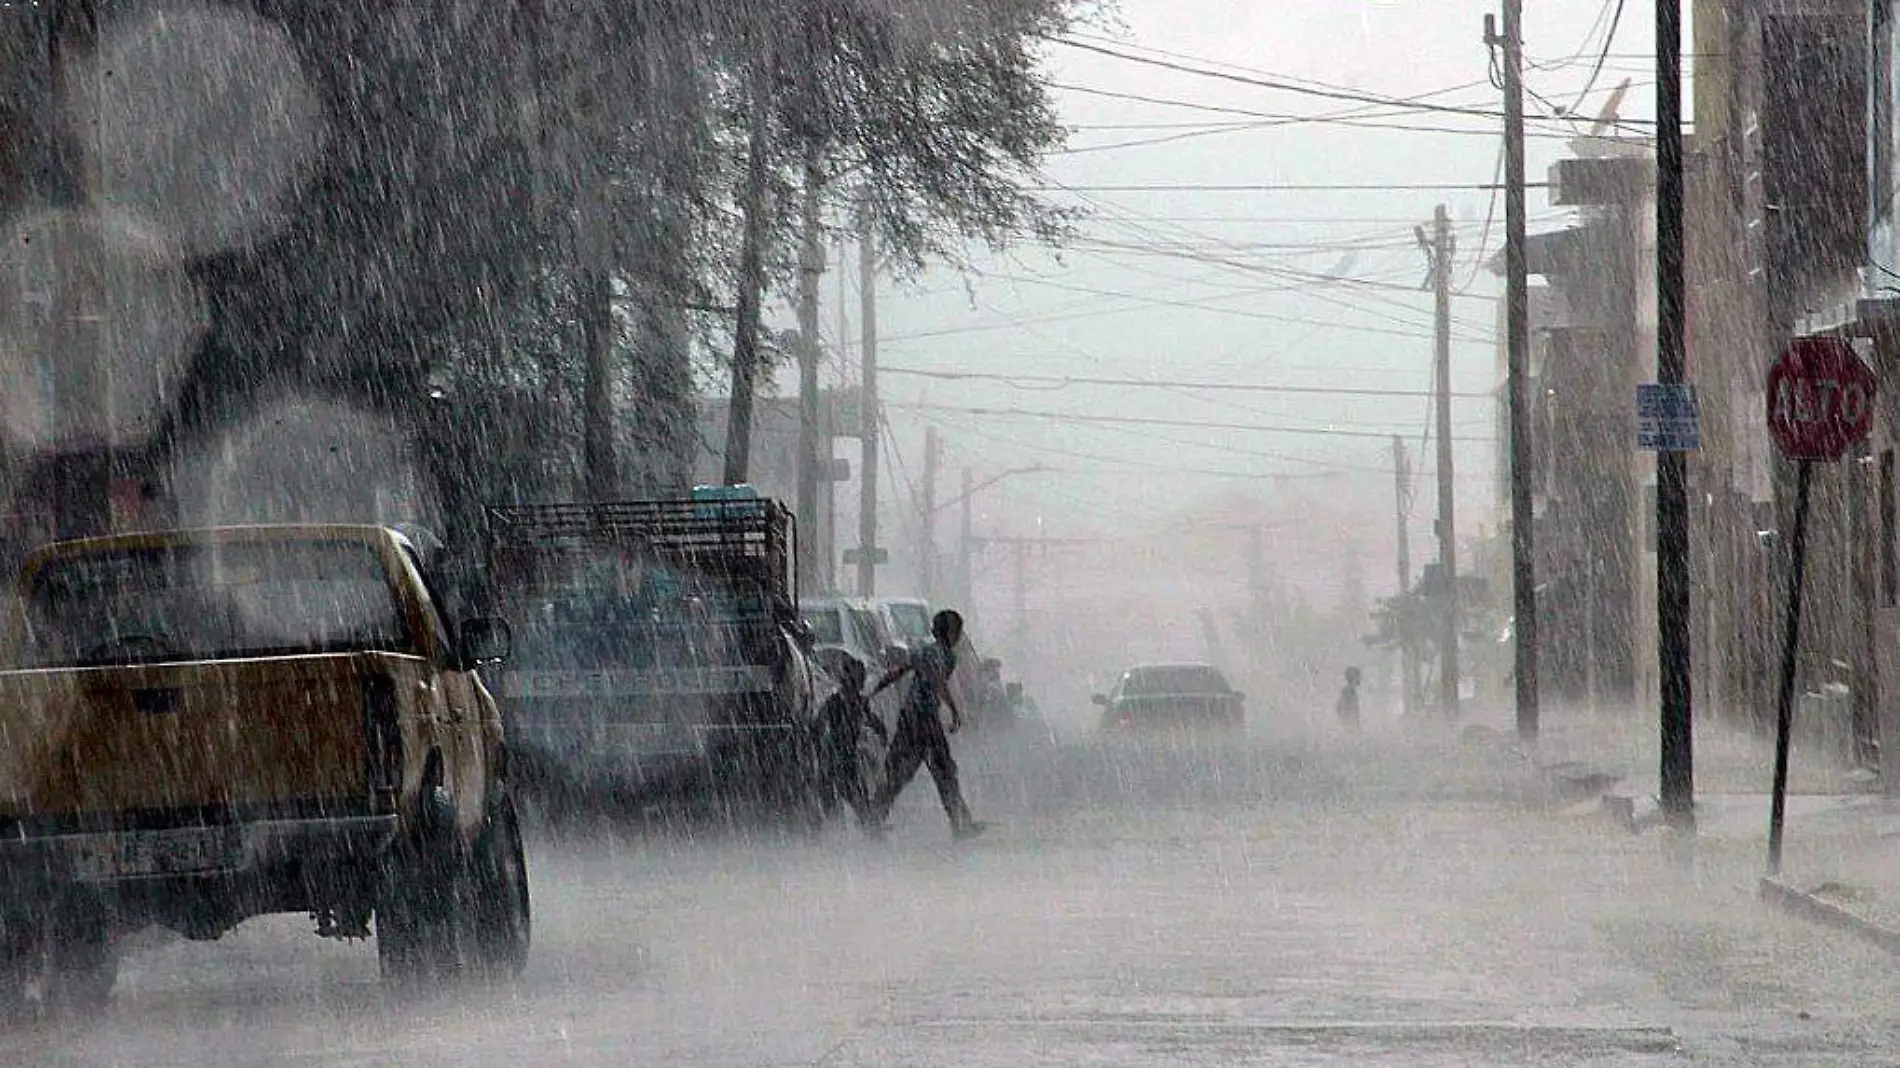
1162, 696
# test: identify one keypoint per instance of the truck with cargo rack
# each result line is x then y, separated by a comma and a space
660, 653
203, 726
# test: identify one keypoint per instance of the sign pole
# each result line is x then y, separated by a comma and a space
1790, 650
1820, 404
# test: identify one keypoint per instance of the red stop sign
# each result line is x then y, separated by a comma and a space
1820, 398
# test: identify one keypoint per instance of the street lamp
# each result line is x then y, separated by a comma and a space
971, 491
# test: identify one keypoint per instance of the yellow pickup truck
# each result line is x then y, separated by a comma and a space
198, 727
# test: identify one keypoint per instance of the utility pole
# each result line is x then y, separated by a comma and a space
1440, 249
867, 406
1677, 764
1517, 350
1022, 591
966, 546
82, 394
1403, 508
1021, 545
745, 343
813, 444
1257, 581
844, 354
927, 544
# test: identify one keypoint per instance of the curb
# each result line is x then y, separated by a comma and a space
1807, 905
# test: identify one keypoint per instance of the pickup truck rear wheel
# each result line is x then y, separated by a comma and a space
81, 962
66, 953
419, 916
499, 909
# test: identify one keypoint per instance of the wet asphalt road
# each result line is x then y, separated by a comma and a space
1286, 902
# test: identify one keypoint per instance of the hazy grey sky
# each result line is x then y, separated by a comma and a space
1198, 284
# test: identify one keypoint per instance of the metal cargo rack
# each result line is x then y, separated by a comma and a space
742, 538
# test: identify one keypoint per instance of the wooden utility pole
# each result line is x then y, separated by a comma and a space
82, 394
1402, 505
1440, 249
597, 340
868, 418
1677, 762
1517, 350
966, 547
1022, 592
927, 543
814, 451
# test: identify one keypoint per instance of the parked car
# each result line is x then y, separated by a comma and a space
251, 720
662, 658
905, 619
1152, 696
851, 625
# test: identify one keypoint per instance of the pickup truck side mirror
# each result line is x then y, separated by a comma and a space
485, 640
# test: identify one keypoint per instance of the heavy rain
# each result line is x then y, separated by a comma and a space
993, 532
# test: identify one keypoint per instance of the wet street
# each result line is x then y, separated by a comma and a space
1294, 902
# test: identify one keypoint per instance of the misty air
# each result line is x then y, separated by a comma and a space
912, 532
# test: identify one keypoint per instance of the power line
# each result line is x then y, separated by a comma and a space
1290, 87
1147, 383
1267, 121
1289, 187
1149, 235
1129, 420
1328, 468
1484, 235
1609, 40
1245, 313
1361, 119
1256, 71
1313, 277
1308, 286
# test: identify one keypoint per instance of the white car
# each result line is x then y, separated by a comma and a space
852, 626
849, 624
906, 619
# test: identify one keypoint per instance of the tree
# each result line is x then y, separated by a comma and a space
542, 209
935, 118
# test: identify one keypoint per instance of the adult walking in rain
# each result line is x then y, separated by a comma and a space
921, 737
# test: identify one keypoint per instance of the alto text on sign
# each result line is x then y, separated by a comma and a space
1820, 399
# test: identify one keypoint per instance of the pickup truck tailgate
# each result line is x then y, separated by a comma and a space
253, 734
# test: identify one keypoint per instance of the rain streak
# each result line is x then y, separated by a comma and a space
948, 532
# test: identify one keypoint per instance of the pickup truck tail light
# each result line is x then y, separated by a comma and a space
383, 733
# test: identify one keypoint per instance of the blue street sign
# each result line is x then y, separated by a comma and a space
1668, 418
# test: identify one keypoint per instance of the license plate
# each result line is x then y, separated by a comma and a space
155, 853
651, 738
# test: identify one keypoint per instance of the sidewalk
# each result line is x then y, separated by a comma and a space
1840, 838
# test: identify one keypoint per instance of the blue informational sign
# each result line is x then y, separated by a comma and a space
1668, 418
